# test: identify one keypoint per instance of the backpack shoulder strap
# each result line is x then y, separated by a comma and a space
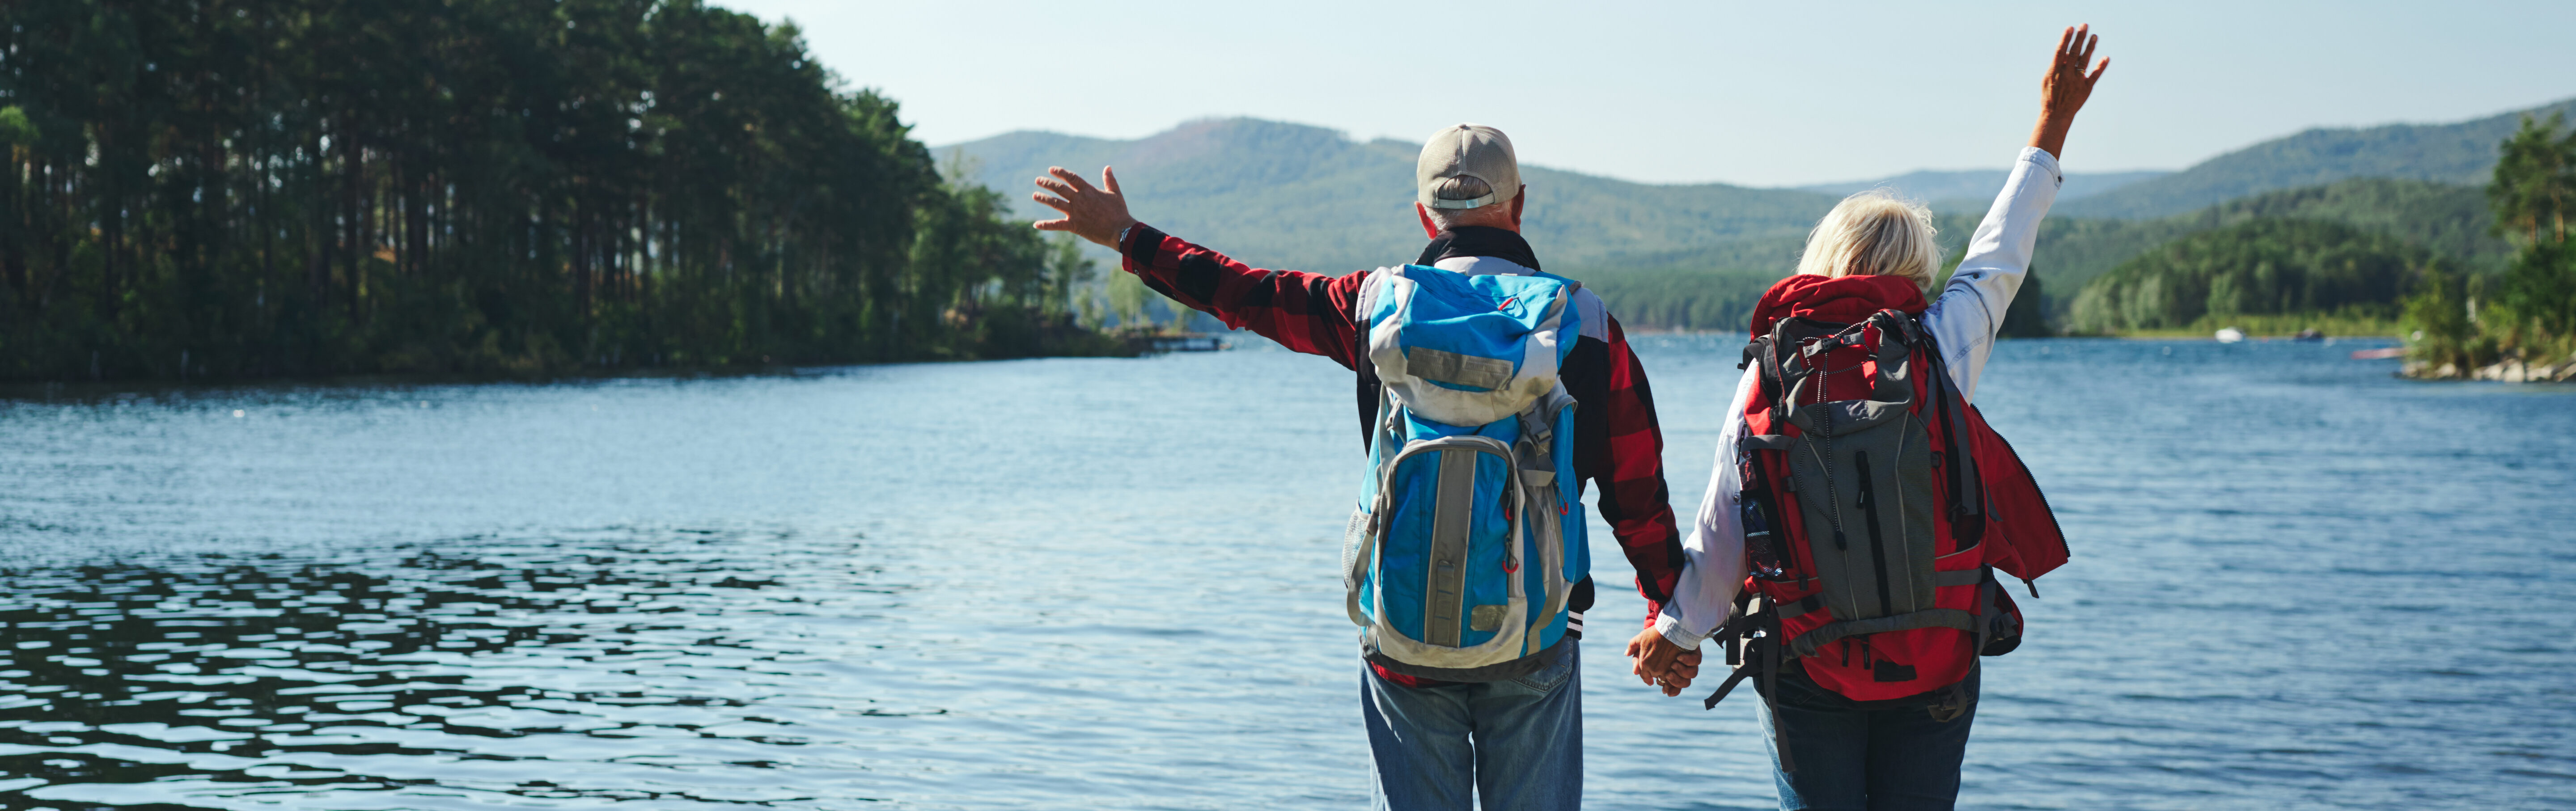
1958, 457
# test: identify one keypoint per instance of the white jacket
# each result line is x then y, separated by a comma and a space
1962, 321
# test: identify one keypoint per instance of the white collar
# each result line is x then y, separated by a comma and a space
1482, 266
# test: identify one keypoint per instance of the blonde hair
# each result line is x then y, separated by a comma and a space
1874, 233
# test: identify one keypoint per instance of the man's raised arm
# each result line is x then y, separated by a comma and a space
1307, 312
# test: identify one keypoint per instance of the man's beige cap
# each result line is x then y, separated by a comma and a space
1467, 150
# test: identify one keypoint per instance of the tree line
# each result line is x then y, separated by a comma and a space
2262, 267
2471, 281
2527, 313
242, 188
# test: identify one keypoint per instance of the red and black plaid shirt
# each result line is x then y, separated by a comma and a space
1617, 443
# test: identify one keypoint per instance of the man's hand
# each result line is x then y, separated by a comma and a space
1092, 213
2065, 88
1659, 661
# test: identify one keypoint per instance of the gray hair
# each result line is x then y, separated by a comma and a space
1465, 187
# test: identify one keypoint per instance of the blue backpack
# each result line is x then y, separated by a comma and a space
1459, 559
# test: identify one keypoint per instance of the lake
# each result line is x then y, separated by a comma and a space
1095, 583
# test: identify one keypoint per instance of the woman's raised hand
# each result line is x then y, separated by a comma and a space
2065, 88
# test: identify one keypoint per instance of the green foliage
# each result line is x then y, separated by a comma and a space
2267, 266
2025, 318
2535, 177
2441, 321
2451, 221
15, 129
2458, 153
1671, 298
474, 186
2531, 315
1127, 297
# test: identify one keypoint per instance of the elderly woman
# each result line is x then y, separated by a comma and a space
1875, 713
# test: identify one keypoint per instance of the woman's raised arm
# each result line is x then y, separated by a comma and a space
1971, 307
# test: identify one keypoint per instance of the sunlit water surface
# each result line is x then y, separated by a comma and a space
1110, 583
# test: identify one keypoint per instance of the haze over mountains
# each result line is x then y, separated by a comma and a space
1294, 196
1972, 189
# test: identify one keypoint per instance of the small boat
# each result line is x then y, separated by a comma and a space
2308, 335
2229, 335
2379, 354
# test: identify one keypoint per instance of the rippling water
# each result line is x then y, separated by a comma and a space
1107, 583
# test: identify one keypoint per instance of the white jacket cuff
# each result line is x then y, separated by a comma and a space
1671, 628
2046, 162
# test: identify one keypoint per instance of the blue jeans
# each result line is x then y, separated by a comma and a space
1518, 743
1864, 756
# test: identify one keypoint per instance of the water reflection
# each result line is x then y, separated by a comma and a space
475, 671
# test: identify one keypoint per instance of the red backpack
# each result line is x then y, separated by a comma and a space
1877, 504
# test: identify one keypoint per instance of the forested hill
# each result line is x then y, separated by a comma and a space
2261, 267
2448, 220
2460, 153
306, 187
1297, 196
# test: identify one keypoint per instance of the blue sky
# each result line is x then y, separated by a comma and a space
1740, 92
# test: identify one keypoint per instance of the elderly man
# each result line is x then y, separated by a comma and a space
1514, 739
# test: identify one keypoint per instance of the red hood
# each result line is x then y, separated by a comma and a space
1839, 299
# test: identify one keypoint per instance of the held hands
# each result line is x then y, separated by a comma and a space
1660, 662
2065, 89
1090, 212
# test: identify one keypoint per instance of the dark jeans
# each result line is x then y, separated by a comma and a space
1865, 756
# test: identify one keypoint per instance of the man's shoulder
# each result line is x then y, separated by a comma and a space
1594, 314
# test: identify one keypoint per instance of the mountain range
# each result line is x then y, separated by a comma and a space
1285, 195
2462, 152
1294, 196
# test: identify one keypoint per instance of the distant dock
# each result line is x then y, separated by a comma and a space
1185, 342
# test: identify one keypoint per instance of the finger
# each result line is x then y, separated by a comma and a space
2081, 32
1053, 203
1069, 177
1053, 225
2086, 58
2097, 72
2063, 39
1054, 185
1109, 178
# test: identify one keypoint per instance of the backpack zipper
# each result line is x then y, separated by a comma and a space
1877, 545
